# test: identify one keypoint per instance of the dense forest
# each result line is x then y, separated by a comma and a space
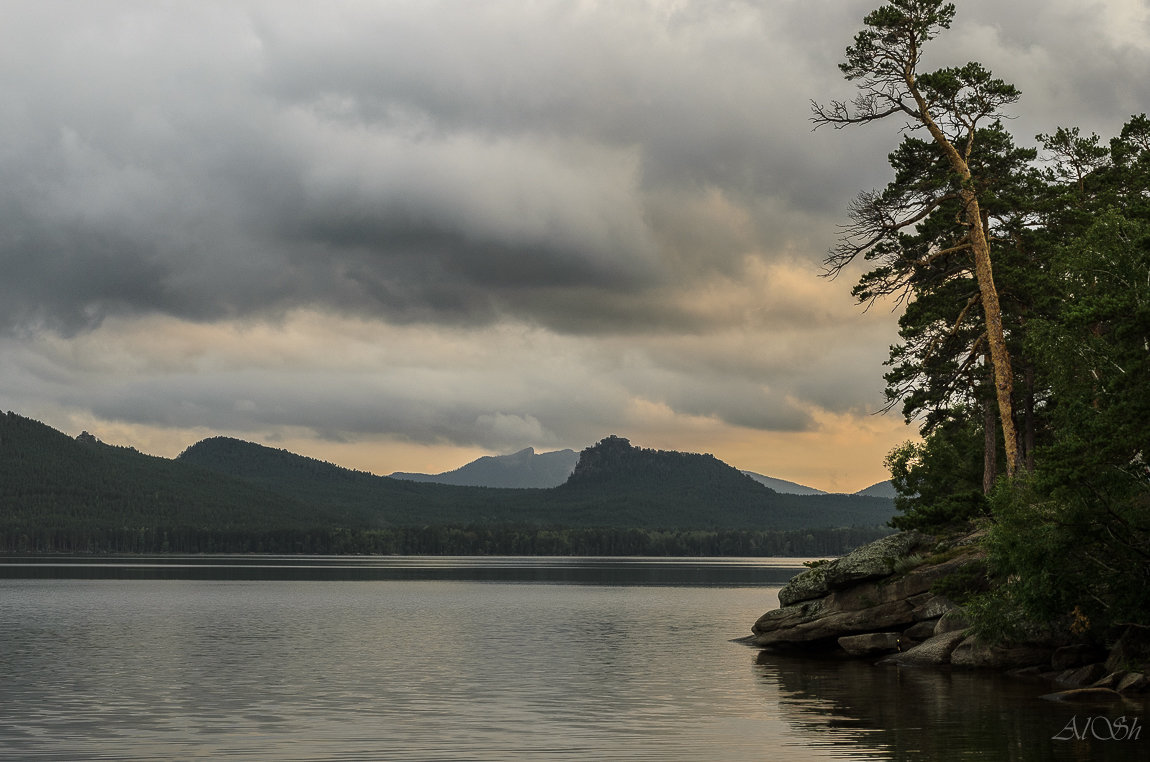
1025, 340
223, 495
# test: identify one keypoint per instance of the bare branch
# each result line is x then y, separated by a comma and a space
928, 260
838, 115
878, 218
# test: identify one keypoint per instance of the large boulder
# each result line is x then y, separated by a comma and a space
1082, 676
870, 561
1134, 682
812, 622
972, 652
1131, 651
920, 631
936, 650
785, 619
952, 621
806, 586
870, 643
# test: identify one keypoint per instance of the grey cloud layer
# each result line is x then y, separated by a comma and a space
627, 172
420, 161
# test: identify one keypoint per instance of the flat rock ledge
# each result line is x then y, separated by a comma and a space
883, 602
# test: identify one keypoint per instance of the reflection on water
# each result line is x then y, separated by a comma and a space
393, 668
463, 659
916, 713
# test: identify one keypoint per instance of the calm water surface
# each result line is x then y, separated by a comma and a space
468, 659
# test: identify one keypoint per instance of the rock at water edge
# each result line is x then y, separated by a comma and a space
869, 644
935, 651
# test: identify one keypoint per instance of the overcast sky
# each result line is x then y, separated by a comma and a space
400, 234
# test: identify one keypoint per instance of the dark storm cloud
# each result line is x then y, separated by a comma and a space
455, 162
637, 182
433, 161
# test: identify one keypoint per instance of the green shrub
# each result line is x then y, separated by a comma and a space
964, 583
1075, 562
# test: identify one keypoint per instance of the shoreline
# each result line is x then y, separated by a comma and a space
893, 602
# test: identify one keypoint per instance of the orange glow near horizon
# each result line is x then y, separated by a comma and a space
844, 455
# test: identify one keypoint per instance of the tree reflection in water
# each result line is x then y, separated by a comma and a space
919, 713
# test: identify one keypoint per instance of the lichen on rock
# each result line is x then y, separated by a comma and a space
871, 561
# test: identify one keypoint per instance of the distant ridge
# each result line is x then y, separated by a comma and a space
224, 495
881, 489
523, 469
613, 484
529, 469
783, 486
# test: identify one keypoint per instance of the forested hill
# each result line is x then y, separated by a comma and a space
59, 493
614, 484
49, 481
373, 500
615, 462
614, 478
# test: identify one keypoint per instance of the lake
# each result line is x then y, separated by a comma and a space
289, 658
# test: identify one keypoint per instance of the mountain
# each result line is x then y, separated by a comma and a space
613, 484
363, 499
226, 495
49, 480
528, 469
881, 489
783, 486
615, 481
524, 469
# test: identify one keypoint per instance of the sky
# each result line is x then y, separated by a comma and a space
397, 235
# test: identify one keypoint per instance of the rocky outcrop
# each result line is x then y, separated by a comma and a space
883, 589
888, 601
865, 645
872, 561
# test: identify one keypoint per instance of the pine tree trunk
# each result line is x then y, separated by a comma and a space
990, 442
984, 274
995, 336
